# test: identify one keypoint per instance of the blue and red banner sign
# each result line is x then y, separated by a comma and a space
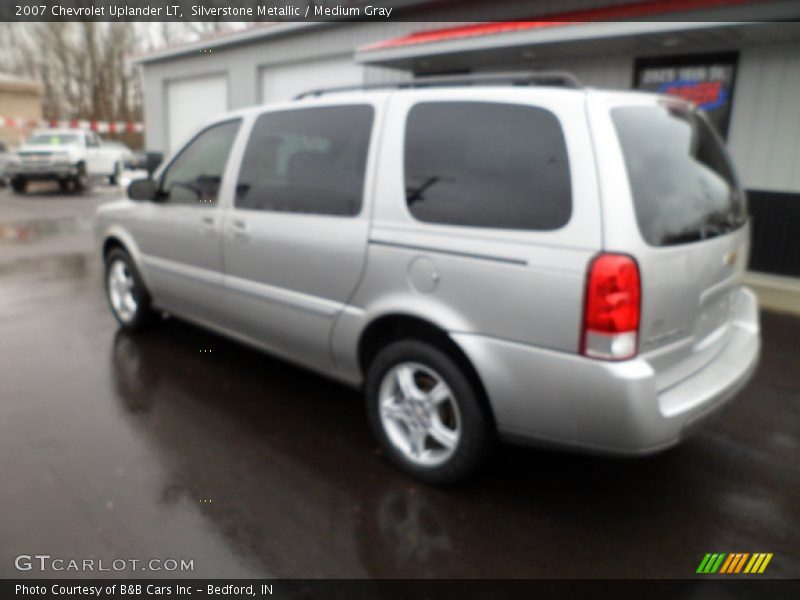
705, 81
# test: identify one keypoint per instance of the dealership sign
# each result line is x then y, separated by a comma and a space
707, 81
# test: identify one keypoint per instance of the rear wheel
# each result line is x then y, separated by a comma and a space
81, 182
127, 295
426, 413
19, 185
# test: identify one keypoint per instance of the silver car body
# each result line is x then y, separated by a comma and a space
307, 287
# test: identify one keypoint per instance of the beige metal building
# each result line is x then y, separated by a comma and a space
20, 108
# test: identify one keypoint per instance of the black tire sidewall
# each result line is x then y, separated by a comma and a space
144, 312
476, 437
114, 177
84, 186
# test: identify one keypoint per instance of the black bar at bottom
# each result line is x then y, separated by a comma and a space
733, 587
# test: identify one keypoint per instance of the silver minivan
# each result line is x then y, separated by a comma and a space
541, 263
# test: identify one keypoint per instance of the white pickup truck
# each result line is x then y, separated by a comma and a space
72, 157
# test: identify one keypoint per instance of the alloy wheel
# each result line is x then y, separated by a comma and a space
121, 291
419, 414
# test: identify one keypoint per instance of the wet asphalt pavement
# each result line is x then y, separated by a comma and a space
181, 444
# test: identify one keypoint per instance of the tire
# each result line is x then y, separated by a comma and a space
113, 179
394, 419
19, 185
81, 182
63, 185
123, 283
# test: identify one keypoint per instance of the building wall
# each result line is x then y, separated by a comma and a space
246, 65
18, 103
765, 125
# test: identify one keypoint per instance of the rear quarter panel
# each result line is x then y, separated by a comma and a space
517, 285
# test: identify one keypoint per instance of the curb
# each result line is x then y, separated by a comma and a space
775, 292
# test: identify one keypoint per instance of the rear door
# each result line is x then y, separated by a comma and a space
673, 201
296, 238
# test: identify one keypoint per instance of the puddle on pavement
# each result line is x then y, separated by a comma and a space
33, 230
70, 266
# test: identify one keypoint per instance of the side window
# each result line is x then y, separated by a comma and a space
484, 164
194, 177
92, 141
3, 147
308, 160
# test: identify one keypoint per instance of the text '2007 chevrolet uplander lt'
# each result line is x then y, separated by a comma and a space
540, 262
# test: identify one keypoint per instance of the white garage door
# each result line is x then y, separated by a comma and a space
282, 82
192, 103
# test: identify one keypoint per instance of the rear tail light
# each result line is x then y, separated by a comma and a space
611, 308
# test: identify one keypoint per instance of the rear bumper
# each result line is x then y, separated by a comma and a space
562, 399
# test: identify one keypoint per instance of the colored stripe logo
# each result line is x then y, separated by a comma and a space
734, 563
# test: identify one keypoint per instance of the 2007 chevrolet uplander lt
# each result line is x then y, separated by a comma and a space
536, 262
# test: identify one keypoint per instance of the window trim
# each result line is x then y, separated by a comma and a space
479, 228
371, 143
177, 155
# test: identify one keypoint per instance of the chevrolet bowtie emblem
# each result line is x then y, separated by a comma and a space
730, 258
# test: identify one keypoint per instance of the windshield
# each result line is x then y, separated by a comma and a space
54, 139
683, 185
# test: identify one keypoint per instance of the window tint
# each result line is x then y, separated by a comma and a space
684, 188
487, 165
195, 175
307, 161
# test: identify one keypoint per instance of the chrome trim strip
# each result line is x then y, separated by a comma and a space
501, 259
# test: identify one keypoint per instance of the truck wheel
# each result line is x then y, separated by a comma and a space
19, 185
113, 179
63, 185
81, 181
426, 413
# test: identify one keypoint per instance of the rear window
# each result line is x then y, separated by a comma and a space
683, 185
484, 164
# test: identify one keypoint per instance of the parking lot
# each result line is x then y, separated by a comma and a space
180, 444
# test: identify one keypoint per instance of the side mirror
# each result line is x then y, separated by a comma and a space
142, 189
152, 161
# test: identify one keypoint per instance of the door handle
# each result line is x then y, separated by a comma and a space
239, 230
207, 225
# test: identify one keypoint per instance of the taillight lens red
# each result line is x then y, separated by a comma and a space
611, 308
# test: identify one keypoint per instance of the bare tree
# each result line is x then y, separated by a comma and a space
85, 67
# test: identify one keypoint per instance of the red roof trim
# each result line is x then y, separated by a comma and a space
611, 13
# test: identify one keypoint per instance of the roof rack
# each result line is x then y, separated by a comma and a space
542, 78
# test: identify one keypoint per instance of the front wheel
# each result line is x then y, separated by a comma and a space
127, 295
426, 413
19, 185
